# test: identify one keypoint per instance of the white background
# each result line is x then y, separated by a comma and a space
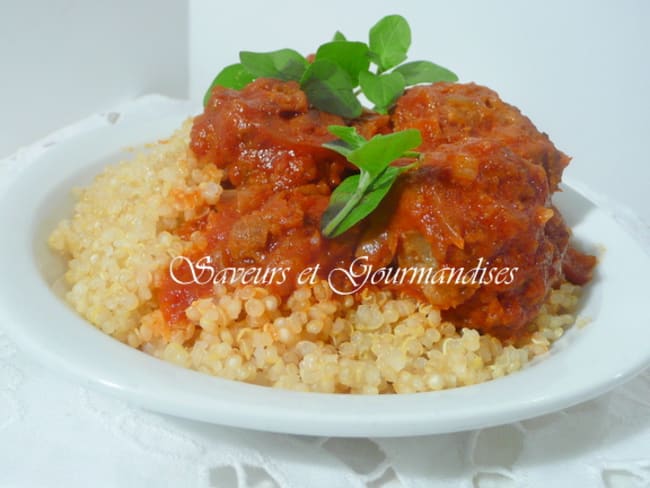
66, 59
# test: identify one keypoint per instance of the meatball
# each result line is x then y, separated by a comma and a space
448, 113
266, 134
471, 203
482, 195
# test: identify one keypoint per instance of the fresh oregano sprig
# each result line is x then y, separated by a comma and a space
360, 194
342, 70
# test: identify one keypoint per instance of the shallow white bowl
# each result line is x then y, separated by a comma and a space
584, 363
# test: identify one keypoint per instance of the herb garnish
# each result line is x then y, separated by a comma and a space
342, 70
358, 195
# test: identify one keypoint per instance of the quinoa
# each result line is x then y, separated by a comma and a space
122, 234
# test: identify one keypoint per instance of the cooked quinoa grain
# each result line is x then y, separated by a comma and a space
122, 235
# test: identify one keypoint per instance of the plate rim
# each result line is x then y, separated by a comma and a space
273, 416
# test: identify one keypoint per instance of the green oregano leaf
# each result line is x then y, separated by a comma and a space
359, 195
348, 134
424, 72
382, 90
351, 56
330, 89
390, 39
284, 64
376, 154
234, 76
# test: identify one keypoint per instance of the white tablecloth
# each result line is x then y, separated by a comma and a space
55, 433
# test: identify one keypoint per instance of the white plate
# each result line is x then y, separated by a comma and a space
584, 363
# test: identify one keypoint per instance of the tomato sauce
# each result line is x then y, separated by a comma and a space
482, 192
